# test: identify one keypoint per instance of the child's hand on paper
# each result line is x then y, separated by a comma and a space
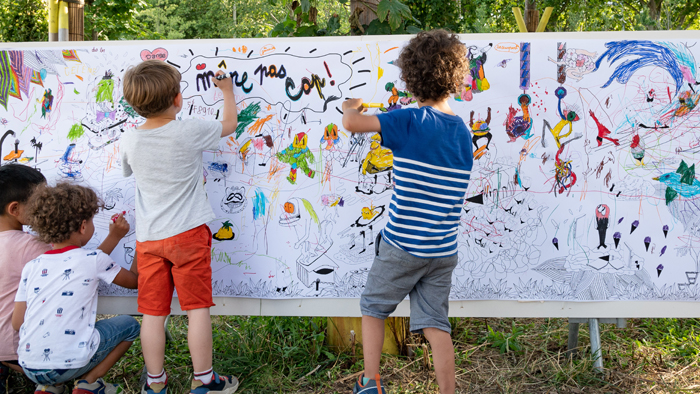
353, 104
223, 84
119, 226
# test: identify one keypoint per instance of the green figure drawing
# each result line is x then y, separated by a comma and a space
105, 88
246, 117
297, 155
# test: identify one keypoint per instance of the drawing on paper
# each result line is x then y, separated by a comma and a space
583, 186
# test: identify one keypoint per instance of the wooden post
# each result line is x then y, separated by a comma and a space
62, 21
345, 335
76, 26
53, 20
532, 16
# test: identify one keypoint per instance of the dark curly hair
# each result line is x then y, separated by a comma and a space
57, 212
433, 65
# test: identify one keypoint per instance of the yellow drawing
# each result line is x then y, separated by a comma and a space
378, 159
225, 233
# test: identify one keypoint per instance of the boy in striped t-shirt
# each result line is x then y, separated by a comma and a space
416, 252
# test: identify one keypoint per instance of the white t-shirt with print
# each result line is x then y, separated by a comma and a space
60, 289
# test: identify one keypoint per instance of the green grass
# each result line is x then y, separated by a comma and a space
288, 355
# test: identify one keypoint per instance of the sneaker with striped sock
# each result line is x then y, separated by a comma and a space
155, 388
373, 386
157, 384
221, 384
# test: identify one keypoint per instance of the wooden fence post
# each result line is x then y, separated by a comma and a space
76, 25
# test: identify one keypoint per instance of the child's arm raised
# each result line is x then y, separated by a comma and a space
230, 118
117, 230
355, 122
18, 315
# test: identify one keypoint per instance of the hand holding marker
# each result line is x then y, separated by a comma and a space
223, 76
116, 216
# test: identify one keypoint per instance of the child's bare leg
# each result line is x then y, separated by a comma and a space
103, 367
372, 343
153, 343
199, 338
443, 358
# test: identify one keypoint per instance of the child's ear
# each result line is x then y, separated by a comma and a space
83, 227
178, 100
12, 209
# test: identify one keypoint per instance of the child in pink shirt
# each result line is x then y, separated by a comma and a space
17, 182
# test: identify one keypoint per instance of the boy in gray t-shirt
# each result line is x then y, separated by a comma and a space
173, 241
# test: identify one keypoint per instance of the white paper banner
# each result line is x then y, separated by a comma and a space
583, 185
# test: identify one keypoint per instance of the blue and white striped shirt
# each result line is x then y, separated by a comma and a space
432, 163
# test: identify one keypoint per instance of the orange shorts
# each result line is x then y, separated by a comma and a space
181, 262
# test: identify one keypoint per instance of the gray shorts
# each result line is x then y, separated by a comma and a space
396, 273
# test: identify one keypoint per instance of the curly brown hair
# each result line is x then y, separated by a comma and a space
57, 212
433, 65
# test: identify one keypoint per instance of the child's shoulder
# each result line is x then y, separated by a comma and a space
20, 246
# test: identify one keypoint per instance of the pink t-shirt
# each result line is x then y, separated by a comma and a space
17, 248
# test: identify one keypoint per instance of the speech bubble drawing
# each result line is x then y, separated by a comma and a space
309, 83
158, 54
509, 47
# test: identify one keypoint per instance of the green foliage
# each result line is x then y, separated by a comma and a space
590, 15
308, 18
23, 20
505, 342
113, 19
434, 14
395, 11
393, 17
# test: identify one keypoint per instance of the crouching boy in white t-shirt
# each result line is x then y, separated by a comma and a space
56, 303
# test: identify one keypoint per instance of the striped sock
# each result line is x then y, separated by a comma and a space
205, 377
162, 377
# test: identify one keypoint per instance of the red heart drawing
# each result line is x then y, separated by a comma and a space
157, 54
201, 66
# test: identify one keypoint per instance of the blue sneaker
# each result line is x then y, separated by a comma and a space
374, 386
155, 388
224, 384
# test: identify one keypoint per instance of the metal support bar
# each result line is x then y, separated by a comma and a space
594, 329
168, 335
573, 339
596, 351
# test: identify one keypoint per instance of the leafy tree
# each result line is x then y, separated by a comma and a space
591, 15
23, 20
311, 18
113, 19
433, 14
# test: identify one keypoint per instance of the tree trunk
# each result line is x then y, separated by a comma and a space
655, 9
359, 10
532, 16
